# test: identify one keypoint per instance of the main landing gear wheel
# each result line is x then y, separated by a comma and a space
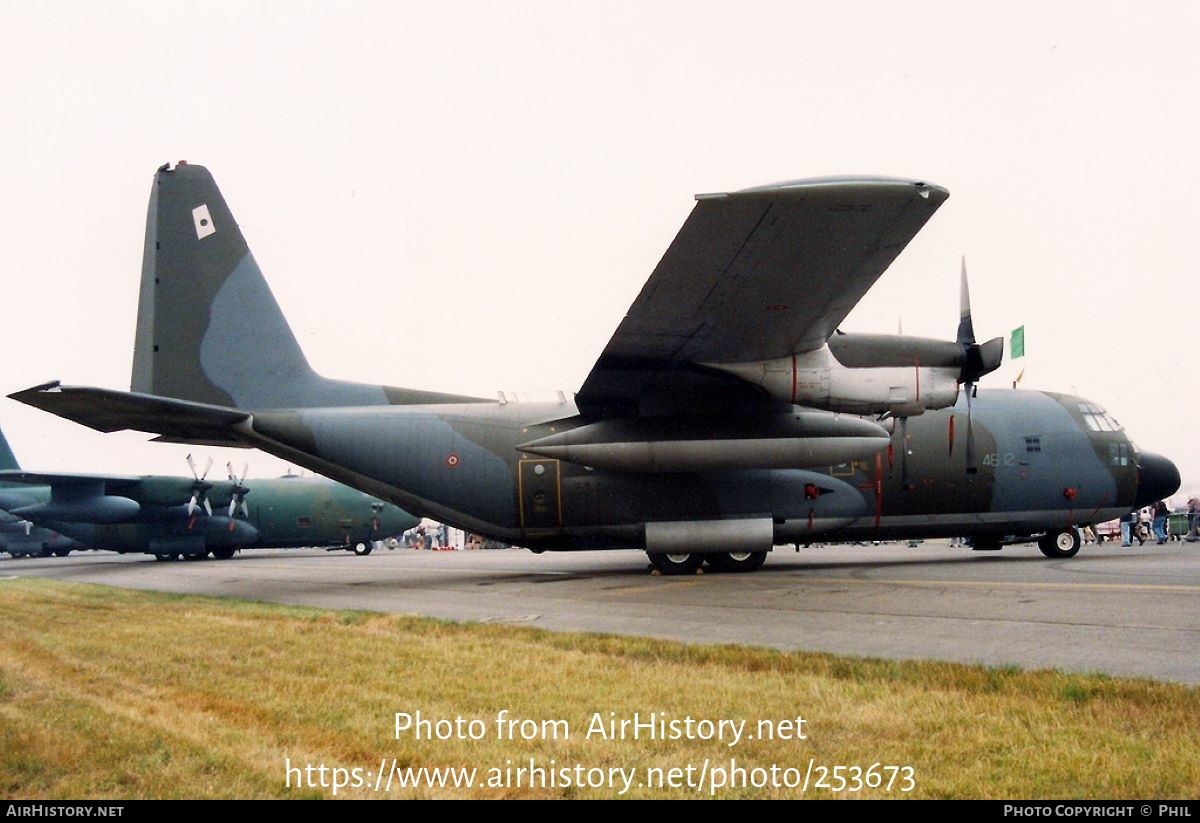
362, 548
986, 543
676, 563
223, 554
1064, 543
737, 561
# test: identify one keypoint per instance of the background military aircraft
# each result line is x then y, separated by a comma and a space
726, 415
191, 517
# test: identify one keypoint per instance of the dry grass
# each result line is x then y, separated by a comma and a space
114, 694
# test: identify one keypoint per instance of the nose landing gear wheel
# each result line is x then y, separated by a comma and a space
1059, 544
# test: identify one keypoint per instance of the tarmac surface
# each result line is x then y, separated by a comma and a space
1120, 611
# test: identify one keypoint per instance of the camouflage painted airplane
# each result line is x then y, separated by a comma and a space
727, 414
20, 537
191, 517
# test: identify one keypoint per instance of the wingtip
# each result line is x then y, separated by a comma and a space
53, 385
922, 188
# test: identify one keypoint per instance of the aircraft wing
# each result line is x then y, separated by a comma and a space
44, 479
105, 410
754, 275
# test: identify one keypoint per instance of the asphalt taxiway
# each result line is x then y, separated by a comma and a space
1120, 611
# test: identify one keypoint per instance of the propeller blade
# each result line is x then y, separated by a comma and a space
199, 488
966, 329
905, 481
191, 461
238, 501
980, 359
972, 466
233, 475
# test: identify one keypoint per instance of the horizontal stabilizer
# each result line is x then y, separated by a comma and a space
108, 411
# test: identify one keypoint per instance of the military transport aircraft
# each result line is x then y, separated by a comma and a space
190, 517
726, 415
18, 536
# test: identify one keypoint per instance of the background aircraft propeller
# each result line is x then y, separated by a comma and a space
199, 488
237, 502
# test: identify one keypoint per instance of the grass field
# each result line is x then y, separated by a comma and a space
115, 694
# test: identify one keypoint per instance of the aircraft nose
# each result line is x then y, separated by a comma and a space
1158, 479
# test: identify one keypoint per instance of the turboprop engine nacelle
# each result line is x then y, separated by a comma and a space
94, 509
797, 439
225, 532
868, 374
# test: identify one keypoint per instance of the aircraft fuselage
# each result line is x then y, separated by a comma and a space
1038, 466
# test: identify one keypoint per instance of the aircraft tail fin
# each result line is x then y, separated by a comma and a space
208, 329
8, 460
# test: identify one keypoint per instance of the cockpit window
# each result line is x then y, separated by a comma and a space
1097, 419
1119, 455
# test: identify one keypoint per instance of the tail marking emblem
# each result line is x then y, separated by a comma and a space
203, 221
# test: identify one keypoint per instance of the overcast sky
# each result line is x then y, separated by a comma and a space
467, 196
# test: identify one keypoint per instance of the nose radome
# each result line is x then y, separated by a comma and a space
1158, 479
